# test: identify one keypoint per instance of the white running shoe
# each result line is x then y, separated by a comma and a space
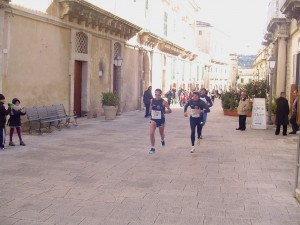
193, 149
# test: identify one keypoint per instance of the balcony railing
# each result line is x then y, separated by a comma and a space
274, 11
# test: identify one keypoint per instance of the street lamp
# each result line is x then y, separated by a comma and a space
272, 62
118, 63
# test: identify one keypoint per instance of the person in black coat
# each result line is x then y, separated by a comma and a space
15, 112
3, 113
147, 99
282, 114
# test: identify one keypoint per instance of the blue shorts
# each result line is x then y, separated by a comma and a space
160, 122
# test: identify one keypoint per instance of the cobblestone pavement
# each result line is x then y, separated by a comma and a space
100, 173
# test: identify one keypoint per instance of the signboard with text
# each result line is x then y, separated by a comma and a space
259, 114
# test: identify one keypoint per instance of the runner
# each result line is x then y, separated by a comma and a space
197, 107
204, 97
158, 110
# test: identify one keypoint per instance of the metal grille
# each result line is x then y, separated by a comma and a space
117, 50
81, 41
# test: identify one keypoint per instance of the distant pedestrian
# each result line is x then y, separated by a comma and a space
282, 114
293, 119
242, 111
146, 99
3, 113
158, 108
197, 106
14, 121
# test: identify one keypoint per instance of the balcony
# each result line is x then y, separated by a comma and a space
274, 12
291, 8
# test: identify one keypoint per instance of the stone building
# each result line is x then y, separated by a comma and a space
67, 54
214, 42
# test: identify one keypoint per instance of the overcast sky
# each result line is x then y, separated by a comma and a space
243, 20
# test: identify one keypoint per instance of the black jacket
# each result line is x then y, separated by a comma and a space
15, 117
282, 111
147, 97
3, 113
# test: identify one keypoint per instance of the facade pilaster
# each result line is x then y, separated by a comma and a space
281, 65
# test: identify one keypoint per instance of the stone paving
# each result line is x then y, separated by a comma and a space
100, 173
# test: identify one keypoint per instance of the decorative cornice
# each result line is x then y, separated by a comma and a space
152, 40
291, 8
279, 27
4, 4
90, 15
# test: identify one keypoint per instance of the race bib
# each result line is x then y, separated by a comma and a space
156, 114
195, 112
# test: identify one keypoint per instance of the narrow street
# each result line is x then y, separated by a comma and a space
100, 173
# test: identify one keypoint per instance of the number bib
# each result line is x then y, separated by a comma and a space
195, 113
156, 114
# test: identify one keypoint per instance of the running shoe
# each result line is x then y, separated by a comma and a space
152, 151
162, 143
193, 149
201, 137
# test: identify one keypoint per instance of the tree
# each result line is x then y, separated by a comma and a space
256, 89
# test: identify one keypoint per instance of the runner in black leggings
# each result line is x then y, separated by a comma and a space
197, 107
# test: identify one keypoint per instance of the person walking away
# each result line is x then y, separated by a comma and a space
242, 111
293, 119
3, 113
204, 97
196, 107
282, 114
158, 108
169, 95
14, 121
146, 99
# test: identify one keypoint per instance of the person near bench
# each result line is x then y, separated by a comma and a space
3, 113
14, 121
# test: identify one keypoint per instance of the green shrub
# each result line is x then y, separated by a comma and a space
256, 89
110, 99
229, 100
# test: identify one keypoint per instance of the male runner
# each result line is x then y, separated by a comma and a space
158, 110
197, 107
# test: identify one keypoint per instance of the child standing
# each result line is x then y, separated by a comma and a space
3, 113
15, 112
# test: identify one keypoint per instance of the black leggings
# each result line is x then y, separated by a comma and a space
195, 122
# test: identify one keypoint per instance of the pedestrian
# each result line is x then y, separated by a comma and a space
282, 114
14, 121
197, 106
158, 108
204, 97
242, 109
293, 119
3, 113
146, 99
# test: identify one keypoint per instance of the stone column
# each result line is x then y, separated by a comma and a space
281, 66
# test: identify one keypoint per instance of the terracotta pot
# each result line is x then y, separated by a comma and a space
228, 112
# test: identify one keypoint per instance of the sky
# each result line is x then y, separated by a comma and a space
243, 20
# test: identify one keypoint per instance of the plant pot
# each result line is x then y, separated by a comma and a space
228, 112
110, 112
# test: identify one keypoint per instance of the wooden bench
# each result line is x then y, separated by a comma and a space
47, 116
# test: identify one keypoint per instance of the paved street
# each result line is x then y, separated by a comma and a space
100, 173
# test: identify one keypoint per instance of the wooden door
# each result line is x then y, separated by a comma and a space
77, 87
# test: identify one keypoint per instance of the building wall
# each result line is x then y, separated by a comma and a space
37, 62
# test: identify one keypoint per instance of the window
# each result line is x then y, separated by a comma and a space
81, 43
166, 24
200, 32
242, 80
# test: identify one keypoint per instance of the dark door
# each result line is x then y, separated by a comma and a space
115, 87
77, 87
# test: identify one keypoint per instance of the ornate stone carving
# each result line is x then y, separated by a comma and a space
92, 16
291, 8
4, 3
279, 27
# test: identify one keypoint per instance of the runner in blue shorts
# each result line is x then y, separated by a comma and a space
158, 110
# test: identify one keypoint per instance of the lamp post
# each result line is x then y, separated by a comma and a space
118, 63
272, 63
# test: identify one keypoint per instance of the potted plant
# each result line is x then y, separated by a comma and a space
230, 103
110, 102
